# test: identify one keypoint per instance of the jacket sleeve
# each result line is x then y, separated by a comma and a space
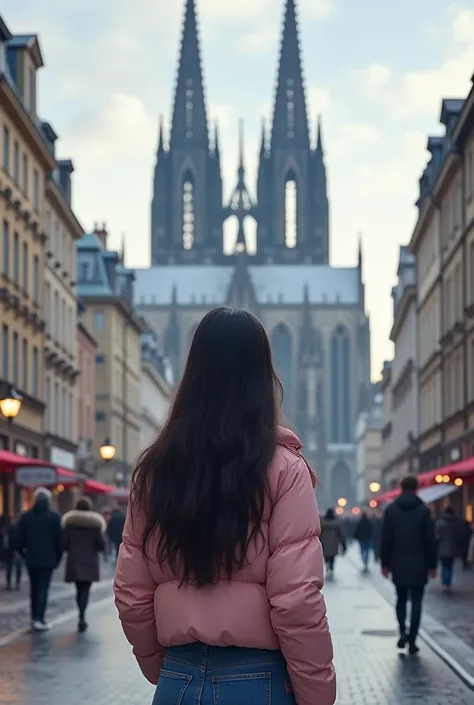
134, 589
294, 582
386, 540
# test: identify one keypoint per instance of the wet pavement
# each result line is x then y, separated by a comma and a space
63, 667
15, 608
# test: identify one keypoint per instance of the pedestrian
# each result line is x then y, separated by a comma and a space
221, 546
364, 532
13, 559
39, 542
408, 554
332, 539
449, 536
115, 529
83, 539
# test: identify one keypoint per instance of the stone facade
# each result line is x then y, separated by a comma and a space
401, 389
443, 243
314, 313
155, 393
368, 440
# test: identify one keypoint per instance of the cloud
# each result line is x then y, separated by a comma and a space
417, 94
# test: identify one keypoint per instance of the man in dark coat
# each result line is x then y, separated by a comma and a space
39, 541
115, 529
408, 553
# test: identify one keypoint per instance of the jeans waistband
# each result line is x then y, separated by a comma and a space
198, 654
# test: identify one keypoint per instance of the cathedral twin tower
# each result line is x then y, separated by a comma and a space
291, 209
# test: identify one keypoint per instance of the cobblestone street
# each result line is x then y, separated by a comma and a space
64, 667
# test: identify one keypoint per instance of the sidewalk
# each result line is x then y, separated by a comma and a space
447, 623
15, 606
98, 667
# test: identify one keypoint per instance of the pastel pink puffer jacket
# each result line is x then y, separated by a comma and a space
274, 602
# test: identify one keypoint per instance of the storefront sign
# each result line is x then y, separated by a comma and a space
36, 476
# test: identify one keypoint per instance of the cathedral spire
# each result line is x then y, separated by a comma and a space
290, 120
189, 124
319, 136
216, 139
263, 140
161, 138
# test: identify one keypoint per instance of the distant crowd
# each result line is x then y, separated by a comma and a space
38, 539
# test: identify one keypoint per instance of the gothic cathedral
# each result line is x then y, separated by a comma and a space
314, 313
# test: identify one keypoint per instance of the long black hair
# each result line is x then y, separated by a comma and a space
202, 484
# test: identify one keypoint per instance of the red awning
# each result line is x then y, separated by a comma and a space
10, 461
95, 487
463, 469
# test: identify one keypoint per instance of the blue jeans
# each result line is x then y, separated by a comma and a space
40, 579
447, 571
197, 674
415, 594
364, 552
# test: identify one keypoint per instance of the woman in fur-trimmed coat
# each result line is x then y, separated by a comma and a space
83, 540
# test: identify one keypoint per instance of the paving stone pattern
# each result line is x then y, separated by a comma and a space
15, 609
63, 667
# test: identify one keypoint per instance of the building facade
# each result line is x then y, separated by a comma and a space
86, 353
368, 440
314, 313
401, 394
155, 393
25, 162
105, 287
62, 230
443, 243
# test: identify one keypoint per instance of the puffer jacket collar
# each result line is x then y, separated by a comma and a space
288, 439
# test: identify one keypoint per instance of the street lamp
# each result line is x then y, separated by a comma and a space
342, 502
374, 487
107, 451
10, 405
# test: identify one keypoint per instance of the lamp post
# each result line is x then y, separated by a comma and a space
10, 406
107, 451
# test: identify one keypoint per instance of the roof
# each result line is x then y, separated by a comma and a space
273, 284
30, 42
450, 106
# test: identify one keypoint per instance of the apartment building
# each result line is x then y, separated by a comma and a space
400, 378
443, 242
62, 230
105, 287
25, 160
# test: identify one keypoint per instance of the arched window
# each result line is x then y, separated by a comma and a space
282, 349
291, 210
341, 427
341, 485
188, 194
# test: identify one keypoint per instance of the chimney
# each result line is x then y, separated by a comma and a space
101, 233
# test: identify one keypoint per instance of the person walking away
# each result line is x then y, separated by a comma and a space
13, 560
83, 540
39, 542
408, 554
221, 545
115, 529
363, 534
449, 536
332, 538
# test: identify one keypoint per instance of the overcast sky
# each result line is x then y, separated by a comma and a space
375, 70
